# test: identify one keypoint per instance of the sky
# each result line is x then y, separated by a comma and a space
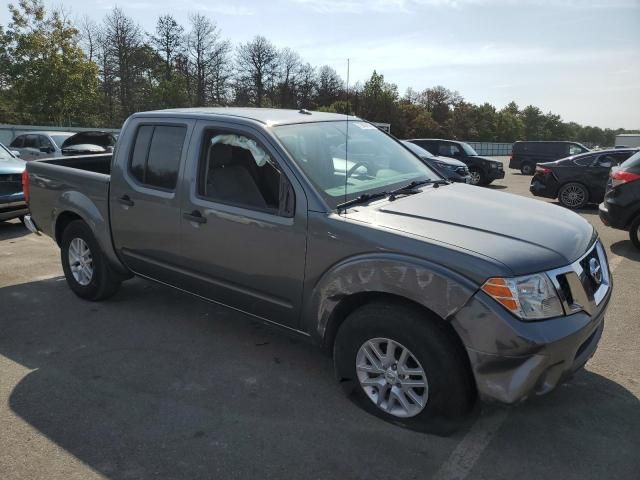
576, 58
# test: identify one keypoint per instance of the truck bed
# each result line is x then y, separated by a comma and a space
77, 184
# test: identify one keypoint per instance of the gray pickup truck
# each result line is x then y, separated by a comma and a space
429, 295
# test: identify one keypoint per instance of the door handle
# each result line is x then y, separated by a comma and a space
195, 216
126, 201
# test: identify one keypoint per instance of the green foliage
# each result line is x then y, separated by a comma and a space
51, 74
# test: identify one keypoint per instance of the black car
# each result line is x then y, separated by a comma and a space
451, 169
483, 170
621, 206
89, 143
578, 180
526, 155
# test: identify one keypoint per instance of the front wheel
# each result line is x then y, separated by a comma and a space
401, 365
573, 195
634, 232
85, 267
477, 177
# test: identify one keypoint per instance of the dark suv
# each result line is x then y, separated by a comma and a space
483, 170
621, 206
526, 155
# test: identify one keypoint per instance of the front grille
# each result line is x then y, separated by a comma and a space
577, 285
10, 184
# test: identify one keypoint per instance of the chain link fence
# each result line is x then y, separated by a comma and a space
492, 149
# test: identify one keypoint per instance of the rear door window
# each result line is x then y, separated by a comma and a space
18, 142
32, 141
156, 155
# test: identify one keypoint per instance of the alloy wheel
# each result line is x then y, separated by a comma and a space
573, 196
392, 378
80, 261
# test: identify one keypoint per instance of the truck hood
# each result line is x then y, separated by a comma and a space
523, 234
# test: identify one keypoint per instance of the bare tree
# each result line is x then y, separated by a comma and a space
89, 32
168, 41
330, 86
203, 42
289, 64
256, 64
306, 85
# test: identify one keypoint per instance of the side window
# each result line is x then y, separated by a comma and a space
155, 158
444, 150
585, 161
44, 142
237, 170
18, 142
575, 149
606, 160
31, 141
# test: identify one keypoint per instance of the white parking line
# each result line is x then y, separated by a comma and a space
468, 452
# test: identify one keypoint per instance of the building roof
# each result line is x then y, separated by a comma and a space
267, 116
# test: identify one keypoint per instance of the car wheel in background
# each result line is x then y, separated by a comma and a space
400, 364
573, 195
634, 232
527, 169
477, 177
85, 267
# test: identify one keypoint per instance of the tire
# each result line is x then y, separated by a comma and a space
478, 177
634, 232
102, 282
573, 195
527, 169
450, 392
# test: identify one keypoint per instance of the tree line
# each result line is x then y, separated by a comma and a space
57, 71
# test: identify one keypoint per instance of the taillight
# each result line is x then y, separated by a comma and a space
621, 176
543, 170
25, 185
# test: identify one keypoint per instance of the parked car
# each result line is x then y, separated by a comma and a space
89, 143
578, 180
35, 145
621, 206
427, 293
483, 170
450, 168
526, 155
12, 203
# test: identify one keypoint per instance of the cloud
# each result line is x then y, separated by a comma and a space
408, 6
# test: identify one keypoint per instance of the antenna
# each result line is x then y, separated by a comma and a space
346, 141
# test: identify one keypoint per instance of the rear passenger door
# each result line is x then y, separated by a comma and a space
144, 197
244, 224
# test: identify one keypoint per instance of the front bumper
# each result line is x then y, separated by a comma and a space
512, 359
495, 174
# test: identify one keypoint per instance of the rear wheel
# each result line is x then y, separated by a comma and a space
404, 367
85, 267
573, 195
634, 232
527, 169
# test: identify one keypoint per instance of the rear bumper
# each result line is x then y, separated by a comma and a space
613, 216
13, 209
540, 189
512, 360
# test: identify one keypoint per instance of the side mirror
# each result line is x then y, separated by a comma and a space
15, 153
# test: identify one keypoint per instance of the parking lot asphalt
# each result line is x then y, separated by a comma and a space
154, 383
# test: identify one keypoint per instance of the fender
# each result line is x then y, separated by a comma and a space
436, 288
81, 205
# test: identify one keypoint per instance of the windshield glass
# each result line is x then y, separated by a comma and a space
468, 149
4, 153
421, 152
373, 161
59, 139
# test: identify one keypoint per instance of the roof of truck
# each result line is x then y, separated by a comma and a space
267, 116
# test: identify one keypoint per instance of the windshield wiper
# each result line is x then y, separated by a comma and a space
364, 198
410, 188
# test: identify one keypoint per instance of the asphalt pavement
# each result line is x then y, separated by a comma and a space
154, 383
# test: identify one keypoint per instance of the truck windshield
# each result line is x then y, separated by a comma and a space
373, 162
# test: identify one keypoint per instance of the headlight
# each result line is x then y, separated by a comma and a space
444, 165
532, 297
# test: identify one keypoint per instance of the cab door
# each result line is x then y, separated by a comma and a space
243, 227
144, 196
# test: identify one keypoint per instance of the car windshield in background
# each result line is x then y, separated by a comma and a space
59, 139
468, 149
372, 163
421, 152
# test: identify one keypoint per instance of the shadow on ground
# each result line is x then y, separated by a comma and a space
13, 229
626, 249
156, 384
